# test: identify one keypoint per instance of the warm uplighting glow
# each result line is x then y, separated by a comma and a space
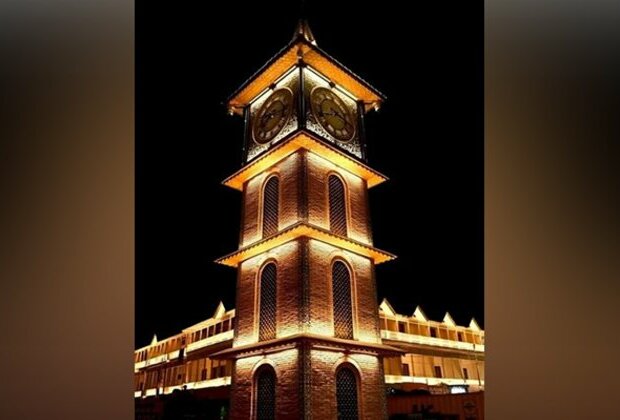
357, 210
312, 56
278, 346
430, 341
457, 389
305, 230
312, 144
338, 74
399, 379
209, 383
218, 338
321, 80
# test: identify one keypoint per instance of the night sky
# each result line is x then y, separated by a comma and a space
428, 138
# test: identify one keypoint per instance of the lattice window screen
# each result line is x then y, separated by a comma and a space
266, 394
267, 309
341, 290
271, 200
346, 394
337, 206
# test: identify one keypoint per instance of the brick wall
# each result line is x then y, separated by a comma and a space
287, 260
321, 257
288, 402
318, 171
371, 395
304, 295
305, 172
288, 170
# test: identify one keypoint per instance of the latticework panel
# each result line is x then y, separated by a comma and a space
341, 289
346, 394
266, 394
337, 206
267, 317
271, 201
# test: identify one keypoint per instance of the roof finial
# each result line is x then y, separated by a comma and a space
303, 31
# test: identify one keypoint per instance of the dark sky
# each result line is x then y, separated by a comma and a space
428, 139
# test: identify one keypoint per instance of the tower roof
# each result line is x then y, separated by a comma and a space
303, 47
302, 31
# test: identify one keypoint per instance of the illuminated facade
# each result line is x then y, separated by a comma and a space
435, 354
307, 329
306, 336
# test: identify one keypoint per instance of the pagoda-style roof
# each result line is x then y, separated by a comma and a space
303, 47
304, 140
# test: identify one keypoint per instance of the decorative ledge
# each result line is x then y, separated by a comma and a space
316, 341
303, 140
309, 231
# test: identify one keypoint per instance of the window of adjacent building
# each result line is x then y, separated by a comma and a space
465, 373
341, 293
265, 384
346, 394
203, 334
225, 326
267, 307
203, 375
433, 332
271, 202
459, 336
210, 333
337, 206
401, 327
405, 369
438, 373
218, 328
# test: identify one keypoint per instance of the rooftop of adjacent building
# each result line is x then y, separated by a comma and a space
414, 329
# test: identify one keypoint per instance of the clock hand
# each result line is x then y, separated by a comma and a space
267, 116
339, 115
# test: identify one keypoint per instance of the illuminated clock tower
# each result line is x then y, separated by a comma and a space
307, 343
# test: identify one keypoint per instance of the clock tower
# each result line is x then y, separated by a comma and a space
307, 342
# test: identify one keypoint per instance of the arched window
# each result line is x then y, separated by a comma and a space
341, 292
346, 393
265, 393
271, 201
337, 206
267, 307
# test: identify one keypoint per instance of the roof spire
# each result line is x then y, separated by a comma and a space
303, 31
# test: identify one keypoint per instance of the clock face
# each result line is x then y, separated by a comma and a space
332, 113
272, 115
